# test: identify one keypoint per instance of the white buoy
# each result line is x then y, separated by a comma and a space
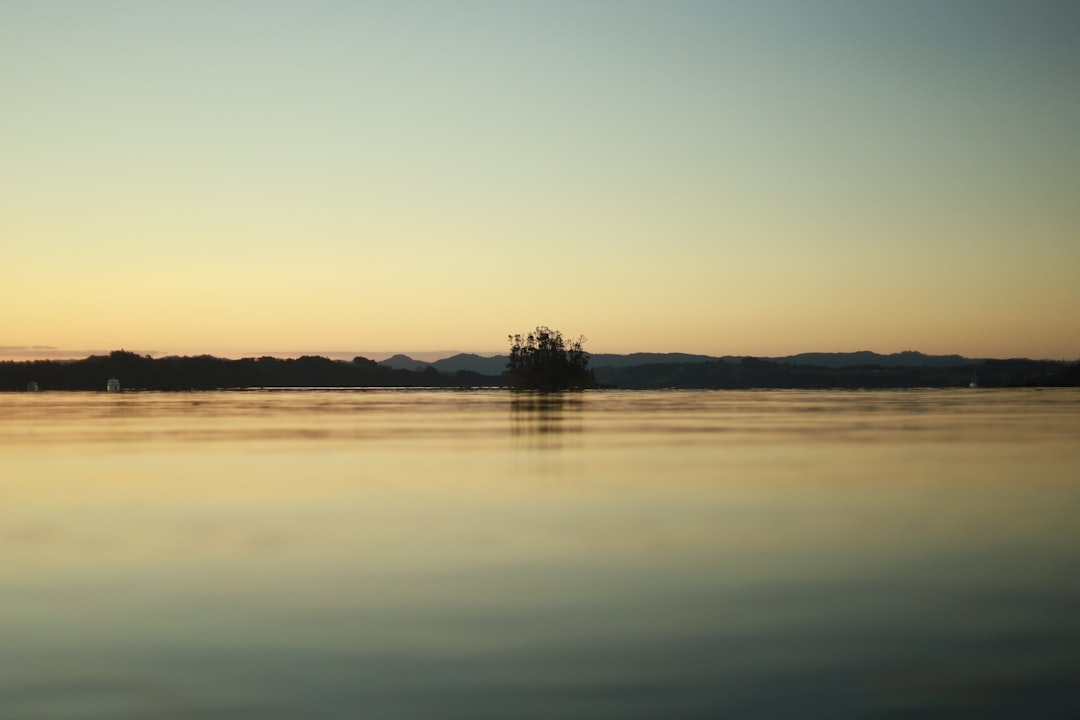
113, 386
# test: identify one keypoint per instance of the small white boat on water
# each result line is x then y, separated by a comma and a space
113, 386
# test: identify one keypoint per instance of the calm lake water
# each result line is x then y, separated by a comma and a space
413, 554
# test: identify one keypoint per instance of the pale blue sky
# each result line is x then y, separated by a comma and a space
728, 177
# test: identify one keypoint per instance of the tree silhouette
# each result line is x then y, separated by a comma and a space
543, 360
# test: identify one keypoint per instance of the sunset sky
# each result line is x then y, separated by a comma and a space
730, 178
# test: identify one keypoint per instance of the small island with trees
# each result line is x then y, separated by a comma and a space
544, 361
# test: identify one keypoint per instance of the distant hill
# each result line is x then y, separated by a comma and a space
404, 362
907, 358
496, 365
472, 363
618, 361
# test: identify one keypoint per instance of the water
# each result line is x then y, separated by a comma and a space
404, 554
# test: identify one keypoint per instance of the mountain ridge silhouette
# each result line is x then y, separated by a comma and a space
496, 364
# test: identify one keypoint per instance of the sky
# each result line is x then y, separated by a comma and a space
729, 178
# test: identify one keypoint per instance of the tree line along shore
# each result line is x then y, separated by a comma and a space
177, 373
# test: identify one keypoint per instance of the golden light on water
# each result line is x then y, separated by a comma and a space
255, 552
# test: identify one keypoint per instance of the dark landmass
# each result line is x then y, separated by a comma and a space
903, 370
204, 372
404, 362
473, 363
907, 358
752, 373
608, 360
468, 362
497, 364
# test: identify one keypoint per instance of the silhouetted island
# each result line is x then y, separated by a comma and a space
204, 372
543, 360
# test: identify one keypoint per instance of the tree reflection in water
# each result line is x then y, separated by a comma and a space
542, 419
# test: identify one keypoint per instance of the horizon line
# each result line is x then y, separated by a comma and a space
30, 353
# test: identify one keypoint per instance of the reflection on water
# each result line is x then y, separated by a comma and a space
542, 419
410, 554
